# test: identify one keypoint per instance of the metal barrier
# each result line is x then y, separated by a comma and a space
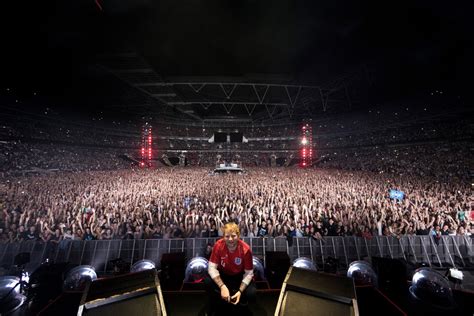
448, 251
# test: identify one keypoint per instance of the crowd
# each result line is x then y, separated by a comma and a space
17, 158
94, 193
190, 202
441, 161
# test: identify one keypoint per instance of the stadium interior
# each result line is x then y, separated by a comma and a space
337, 135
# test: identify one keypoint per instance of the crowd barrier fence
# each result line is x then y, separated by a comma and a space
448, 251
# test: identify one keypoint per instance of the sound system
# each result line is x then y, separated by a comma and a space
306, 292
131, 294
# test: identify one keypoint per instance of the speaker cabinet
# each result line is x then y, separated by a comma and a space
130, 294
306, 292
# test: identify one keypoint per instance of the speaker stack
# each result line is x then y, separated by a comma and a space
306, 292
132, 294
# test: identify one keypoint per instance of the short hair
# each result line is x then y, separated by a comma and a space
231, 227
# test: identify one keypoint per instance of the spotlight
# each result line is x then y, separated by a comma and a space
77, 278
362, 273
196, 270
143, 265
258, 270
304, 263
10, 296
431, 288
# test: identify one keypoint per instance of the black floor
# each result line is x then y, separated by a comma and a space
194, 303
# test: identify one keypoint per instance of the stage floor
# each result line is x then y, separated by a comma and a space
193, 303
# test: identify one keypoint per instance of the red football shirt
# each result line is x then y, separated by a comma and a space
232, 263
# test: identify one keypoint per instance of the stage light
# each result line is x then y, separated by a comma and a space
431, 288
306, 144
304, 263
196, 270
362, 273
78, 277
10, 296
143, 265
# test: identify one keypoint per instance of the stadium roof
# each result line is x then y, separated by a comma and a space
248, 59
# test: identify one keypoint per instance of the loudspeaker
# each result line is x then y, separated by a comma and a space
277, 265
306, 292
172, 270
131, 294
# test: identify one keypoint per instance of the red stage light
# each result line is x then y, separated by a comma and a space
306, 153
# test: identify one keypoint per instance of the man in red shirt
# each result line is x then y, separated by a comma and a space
231, 269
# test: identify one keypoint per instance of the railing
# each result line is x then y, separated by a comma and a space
449, 251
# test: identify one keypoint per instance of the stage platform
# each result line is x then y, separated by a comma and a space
193, 303
228, 168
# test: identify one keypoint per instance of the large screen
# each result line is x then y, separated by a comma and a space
236, 137
220, 137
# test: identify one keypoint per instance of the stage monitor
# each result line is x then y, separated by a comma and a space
306, 292
130, 294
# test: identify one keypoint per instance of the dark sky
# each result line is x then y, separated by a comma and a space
412, 46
